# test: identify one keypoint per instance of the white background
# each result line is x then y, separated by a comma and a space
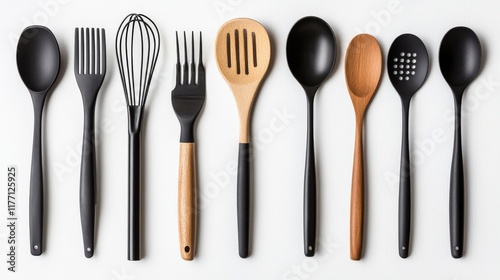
278, 159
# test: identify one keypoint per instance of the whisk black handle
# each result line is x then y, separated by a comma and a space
134, 184
243, 201
88, 182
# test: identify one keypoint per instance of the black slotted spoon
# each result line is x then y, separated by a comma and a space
407, 64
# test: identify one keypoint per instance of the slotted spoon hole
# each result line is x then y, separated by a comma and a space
403, 64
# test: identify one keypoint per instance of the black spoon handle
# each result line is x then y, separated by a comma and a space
134, 197
310, 187
457, 189
243, 198
36, 184
404, 188
88, 183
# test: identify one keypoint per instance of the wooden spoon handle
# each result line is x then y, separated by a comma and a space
357, 193
187, 200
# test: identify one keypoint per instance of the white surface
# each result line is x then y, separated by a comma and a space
279, 149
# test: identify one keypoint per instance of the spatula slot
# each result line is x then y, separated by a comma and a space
254, 48
228, 46
245, 50
237, 50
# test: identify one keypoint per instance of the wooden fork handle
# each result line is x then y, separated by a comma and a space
357, 196
187, 200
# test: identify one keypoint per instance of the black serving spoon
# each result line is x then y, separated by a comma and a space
459, 60
311, 51
407, 65
38, 62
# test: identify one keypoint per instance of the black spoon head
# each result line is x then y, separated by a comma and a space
311, 51
407, 64
38, 58
460, 56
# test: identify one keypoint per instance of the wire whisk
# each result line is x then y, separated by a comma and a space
137, 47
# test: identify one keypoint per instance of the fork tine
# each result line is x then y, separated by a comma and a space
77, 53
87, 51
193, 73
82, 50
103, 52
201, 69
178, 64
98, 51
92, 61
200, 57
185, 73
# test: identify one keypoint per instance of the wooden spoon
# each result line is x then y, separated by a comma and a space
243, 53
363, 68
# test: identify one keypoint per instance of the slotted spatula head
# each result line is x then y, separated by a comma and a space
243, 53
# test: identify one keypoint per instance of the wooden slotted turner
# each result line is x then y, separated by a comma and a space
243, 53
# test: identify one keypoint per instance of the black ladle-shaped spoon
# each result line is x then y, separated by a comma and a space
38, 61
459, 60
311, 51
407, 65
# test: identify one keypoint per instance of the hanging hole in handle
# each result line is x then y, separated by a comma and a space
310, 248
187, 249
35, 247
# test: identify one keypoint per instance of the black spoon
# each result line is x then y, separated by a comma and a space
38, 61
407, 64
459, 60
311, 51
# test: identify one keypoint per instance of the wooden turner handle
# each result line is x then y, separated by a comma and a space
243, 199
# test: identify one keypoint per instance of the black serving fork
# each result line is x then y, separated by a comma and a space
188, 97
90, 69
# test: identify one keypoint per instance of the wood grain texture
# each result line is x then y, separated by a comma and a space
363, 68
187, 200
254, 58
